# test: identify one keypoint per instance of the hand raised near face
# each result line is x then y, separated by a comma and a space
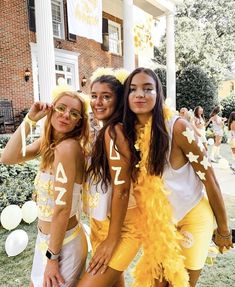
39, 110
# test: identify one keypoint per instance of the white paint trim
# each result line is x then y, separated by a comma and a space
61, 56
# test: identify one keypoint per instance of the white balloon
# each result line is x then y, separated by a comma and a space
29, 211
16, 242
210, 141
223, 163
11, 216
61, 81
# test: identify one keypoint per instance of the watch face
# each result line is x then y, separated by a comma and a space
48, 254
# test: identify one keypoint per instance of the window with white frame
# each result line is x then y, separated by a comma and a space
65, 71
57, 18
115, 43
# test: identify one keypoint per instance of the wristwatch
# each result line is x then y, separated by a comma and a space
50, 255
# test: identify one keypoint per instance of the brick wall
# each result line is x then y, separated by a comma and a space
15, 53
16, 57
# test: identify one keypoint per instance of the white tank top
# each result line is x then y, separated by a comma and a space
186, 189
98, 202
44, 187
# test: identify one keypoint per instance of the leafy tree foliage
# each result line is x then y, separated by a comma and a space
228, 104
205, 36
195, 88
161, 72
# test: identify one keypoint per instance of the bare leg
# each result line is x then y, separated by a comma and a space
193, 277
31, 284
109, 278
218, 140
120, 282
161, 284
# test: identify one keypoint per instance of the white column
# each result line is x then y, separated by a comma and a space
128, 36
170, 59
45, 44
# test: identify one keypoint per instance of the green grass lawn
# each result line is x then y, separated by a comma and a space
15, 271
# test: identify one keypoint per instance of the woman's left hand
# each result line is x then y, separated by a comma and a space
222, 241
52, 276
102, 256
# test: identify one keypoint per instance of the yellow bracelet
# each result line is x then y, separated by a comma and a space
29, 121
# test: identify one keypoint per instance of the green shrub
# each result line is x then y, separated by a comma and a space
228, 104
3, 141
16, 183
195, 88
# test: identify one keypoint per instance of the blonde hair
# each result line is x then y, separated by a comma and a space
80, 132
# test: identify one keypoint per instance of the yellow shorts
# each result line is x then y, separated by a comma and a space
129, 243
197, 229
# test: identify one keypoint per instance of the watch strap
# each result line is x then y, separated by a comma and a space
51, 256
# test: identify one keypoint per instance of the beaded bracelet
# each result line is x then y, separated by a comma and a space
29, 121
223, 236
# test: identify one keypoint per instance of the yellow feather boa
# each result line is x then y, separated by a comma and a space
161, 256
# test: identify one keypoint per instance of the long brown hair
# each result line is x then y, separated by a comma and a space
196, 112
99, 168
80, 132
231, 119
159, 143
215, 111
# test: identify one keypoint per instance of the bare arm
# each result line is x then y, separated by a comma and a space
120, 173
65, 169
202, 167
12, 153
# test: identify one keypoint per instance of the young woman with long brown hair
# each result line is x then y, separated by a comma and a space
112, 208
61, 248
218, 130
171, 168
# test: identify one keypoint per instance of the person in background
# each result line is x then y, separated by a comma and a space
231, 137
184, 113
61, 247
199, 123
217, 127
108, 195
170, 166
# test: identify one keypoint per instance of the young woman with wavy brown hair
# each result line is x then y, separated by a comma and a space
61, 248
111, 206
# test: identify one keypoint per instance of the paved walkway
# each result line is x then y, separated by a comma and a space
225, 175
226, 179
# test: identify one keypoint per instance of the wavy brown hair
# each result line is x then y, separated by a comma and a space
196, 112
99, 168
80, 132
159, 143
231, 119
215, 111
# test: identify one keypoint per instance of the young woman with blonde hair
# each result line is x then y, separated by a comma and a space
61, 248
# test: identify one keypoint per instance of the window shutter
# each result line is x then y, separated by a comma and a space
31, 15
105, 34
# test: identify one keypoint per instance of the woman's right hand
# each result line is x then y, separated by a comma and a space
39, 110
